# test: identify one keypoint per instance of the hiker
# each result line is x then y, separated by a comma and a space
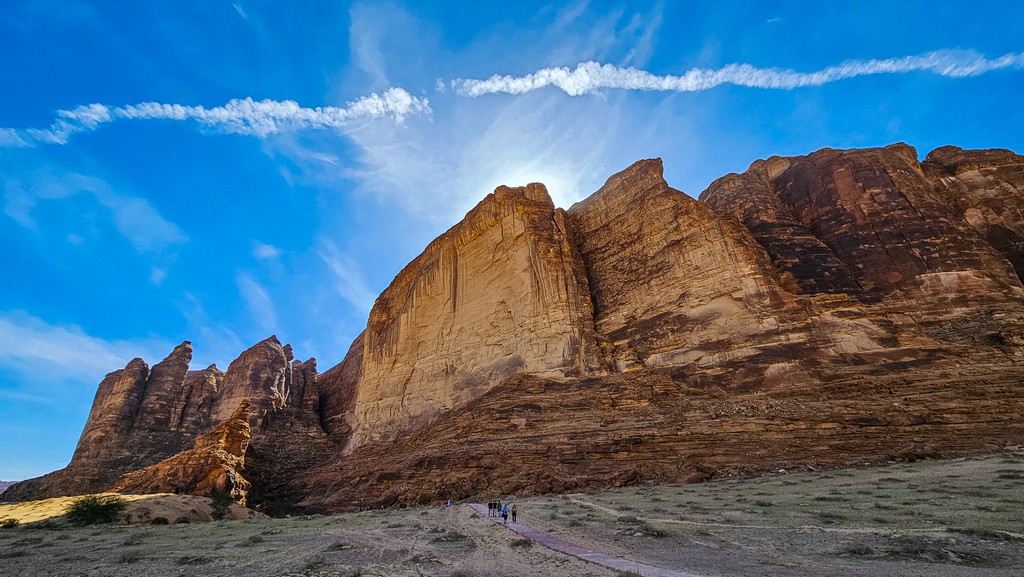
490, 508
504, 514
513, 511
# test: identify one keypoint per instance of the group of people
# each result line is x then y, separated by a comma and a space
495, 508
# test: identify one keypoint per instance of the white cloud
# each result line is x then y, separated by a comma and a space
133, 217
34, 347
349, 280
259, 303
592, 76
259, 118
265, 251
157, 275
241, 12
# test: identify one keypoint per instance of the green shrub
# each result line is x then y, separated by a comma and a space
522, 543
93, 509
9, 523
159, 521
220, 504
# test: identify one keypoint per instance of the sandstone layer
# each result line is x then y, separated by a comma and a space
822, 310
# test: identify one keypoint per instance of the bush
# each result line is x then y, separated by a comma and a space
525, 543
181, 520
93, 509
9, 523
159, 521
220, 504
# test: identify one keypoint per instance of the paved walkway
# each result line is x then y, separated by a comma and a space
552, 542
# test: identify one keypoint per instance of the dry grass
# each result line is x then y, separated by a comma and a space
140, 509
940, 518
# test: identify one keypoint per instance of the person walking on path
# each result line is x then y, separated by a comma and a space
504, 514
513, 511
490, 508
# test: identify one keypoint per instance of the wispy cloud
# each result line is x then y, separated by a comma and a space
349, 280
259, 118
33, 346
262, 251
592, 76
134, 217
259, 303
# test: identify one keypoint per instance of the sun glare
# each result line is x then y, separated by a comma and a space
563, 187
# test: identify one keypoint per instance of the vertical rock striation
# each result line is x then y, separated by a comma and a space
666, 274
986, 189
502, 292
874, 209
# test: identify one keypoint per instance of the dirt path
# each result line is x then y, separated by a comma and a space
556, 544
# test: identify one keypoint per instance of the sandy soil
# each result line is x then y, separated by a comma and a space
934, 518
938, 518
139, 509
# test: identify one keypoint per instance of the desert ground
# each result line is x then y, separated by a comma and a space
930, 518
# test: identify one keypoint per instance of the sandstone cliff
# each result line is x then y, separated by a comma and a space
847, 306
844, 306
502, 292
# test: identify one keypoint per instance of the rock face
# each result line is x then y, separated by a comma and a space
214, 464
984, 188
502, 292
875, 210
839, 307
667, 275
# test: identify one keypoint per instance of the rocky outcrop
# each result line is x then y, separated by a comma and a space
986, 189
215, 463
874, 209
502, 292
173, 430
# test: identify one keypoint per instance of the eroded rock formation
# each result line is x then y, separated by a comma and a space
844, 306
173, 430
502, 292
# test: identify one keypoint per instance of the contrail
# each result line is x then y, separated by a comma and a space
246, 116
591, 76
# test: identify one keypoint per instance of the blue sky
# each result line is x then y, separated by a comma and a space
256, 168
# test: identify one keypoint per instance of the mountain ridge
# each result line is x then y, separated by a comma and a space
639, 336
